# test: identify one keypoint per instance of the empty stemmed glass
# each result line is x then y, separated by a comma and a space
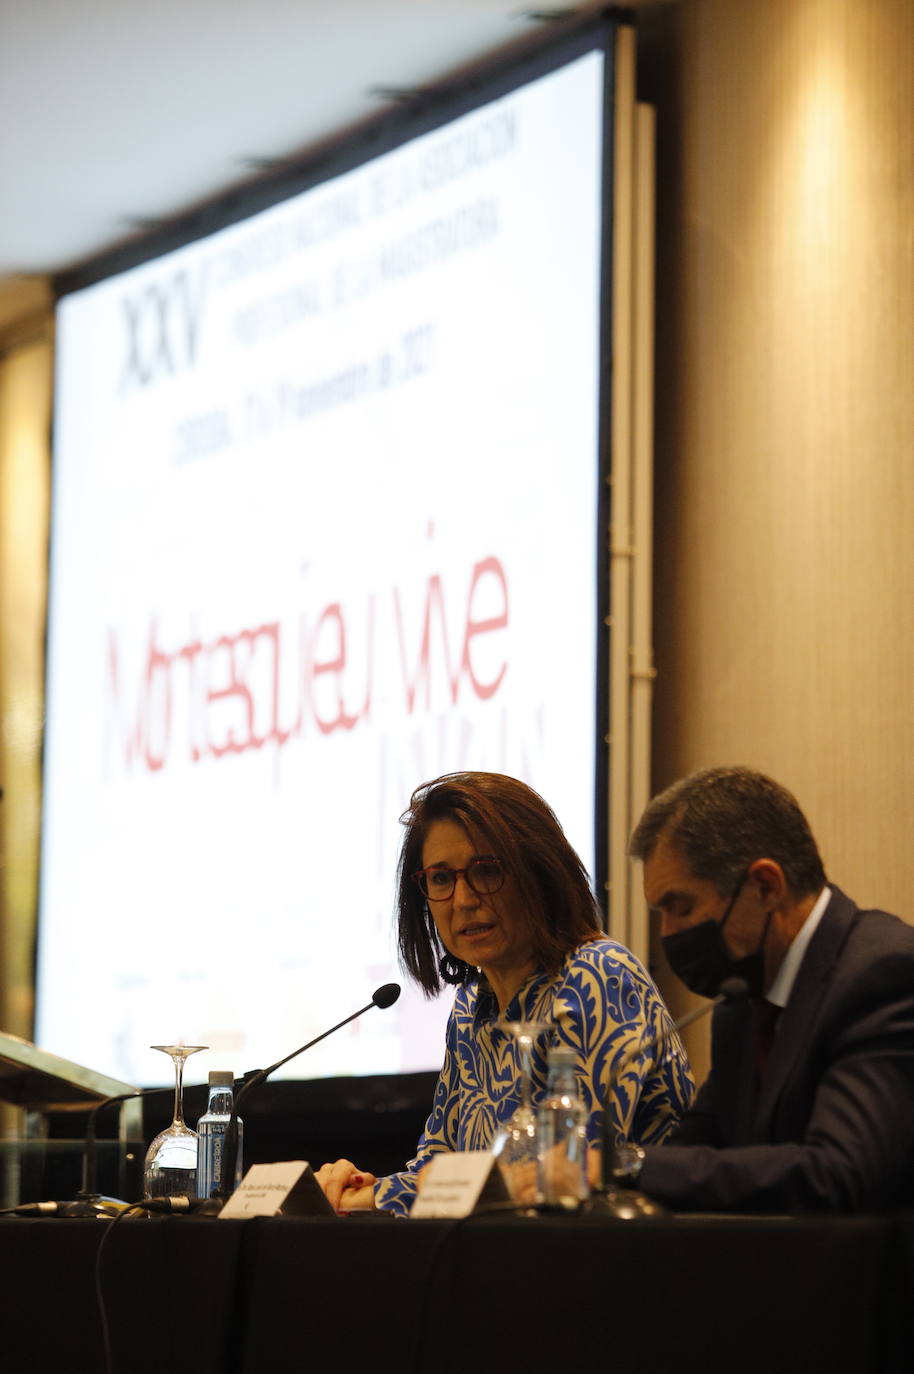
516, 1142
171, 1160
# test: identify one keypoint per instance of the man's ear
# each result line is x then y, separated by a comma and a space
768, 878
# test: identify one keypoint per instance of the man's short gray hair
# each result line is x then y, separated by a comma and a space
722, 819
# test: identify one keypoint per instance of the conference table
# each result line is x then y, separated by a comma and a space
495, 1292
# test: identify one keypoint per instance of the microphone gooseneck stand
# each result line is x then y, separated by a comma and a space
382, 997
630, 1204
89, 1202
88, 1199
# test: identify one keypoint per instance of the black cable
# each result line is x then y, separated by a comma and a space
107, 1364
150, 1204
434, 1261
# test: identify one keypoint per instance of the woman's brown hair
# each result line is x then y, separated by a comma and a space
507, 819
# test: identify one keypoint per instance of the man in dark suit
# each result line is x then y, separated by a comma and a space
809, 1104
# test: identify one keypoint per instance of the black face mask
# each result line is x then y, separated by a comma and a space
699, 956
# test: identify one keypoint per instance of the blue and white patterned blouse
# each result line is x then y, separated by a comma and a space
604, 1005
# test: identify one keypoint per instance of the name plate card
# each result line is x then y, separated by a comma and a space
455, 1184
271, 1190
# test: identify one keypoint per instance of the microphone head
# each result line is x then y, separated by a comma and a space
386, 996
733, 989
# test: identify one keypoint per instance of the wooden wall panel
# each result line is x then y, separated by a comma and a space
785, 428
25, 407
785, 493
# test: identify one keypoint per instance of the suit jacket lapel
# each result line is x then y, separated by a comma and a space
747, 1094
798, 1020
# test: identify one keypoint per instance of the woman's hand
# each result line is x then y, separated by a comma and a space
347, 1188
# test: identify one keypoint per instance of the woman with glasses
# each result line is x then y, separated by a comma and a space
492, 898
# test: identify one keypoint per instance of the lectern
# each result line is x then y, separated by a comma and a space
43, 1160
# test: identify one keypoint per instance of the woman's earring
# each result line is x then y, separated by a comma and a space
454, 970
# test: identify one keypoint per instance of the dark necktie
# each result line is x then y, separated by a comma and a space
764, 1019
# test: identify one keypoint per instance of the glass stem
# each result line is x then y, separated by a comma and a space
525, 1045
179, 1082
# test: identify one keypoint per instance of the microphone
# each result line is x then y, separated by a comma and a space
635, 1204
178, 1203
51, 1209
730, 990
382, 997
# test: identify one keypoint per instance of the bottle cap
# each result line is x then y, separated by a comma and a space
562, 1054
221, 1078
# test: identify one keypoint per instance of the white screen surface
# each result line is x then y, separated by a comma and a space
324, 527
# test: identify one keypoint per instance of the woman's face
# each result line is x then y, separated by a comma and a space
488, 930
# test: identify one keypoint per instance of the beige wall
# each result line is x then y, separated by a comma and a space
785, 442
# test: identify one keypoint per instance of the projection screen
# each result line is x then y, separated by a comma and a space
326, 524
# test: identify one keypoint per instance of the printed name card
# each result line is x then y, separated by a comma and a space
270, 1190
453, 1185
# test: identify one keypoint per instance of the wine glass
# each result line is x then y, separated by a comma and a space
171, 1160
516, 1141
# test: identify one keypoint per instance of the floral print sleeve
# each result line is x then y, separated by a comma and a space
609, 1011
395, 1193
604, 1005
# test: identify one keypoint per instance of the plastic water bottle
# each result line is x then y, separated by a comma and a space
562, 1130
211, 1130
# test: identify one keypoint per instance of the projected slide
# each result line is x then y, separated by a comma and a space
324, 527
